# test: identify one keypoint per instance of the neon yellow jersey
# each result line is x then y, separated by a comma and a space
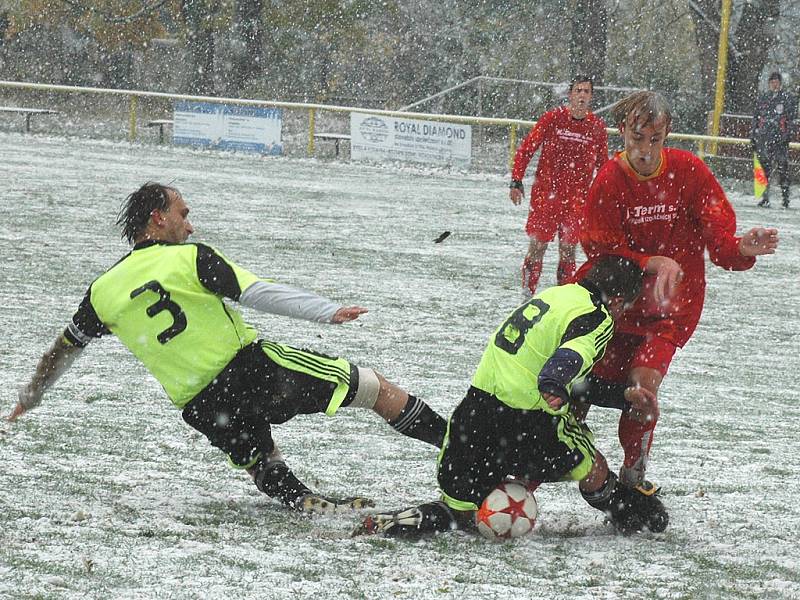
165, 303
566, 316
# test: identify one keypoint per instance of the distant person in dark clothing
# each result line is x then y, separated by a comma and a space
772, 129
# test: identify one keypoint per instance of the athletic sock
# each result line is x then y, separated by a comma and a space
531, 271
636, 439
276, 480
566, 269
601, 497
421, 422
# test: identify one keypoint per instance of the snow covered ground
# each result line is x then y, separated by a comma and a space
106, 493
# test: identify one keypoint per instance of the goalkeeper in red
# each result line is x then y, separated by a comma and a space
515, 420
166, 301
574, 146
664, 209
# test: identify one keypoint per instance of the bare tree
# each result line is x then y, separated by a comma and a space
201, 18
755, 36
589, 40
249, 61
748, 49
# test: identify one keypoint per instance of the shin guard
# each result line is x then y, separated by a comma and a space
636, 439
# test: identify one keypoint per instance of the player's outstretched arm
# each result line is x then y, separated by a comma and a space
759, 241
289, 301
348, 313
51, 366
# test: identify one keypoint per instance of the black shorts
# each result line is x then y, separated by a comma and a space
488, 441
267, 383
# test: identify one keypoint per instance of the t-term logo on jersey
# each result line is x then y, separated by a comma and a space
573, 136
654, 212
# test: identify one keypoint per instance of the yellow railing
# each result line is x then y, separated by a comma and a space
513, 124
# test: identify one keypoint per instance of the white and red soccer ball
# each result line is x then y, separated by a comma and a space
509, 511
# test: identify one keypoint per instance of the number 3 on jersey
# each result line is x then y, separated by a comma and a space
511, 335
163, 303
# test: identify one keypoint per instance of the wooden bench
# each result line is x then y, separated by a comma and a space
160, 123
337, 138
28, 112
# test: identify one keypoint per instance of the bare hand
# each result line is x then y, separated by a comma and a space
516, 195
348, 313
759, 241
553, 401
668, 275
644, 404
640, 399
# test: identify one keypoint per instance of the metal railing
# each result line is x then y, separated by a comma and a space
513, 125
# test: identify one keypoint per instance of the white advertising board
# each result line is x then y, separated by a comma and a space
379, 138
244, 128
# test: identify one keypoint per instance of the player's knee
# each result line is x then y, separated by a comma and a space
536, 250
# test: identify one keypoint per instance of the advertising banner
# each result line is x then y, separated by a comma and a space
379, 138
243, 128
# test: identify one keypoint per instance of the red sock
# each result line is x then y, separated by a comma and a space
636, 439
566, 269
531, 271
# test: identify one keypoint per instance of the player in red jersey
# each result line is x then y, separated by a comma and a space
662, 208
574, 145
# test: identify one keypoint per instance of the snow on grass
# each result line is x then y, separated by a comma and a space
106, 493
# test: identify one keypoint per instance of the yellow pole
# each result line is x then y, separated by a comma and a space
132, 119
311, 124
722, 65
512, 146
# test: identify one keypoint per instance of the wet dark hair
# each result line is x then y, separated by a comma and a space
617, 276
644, 107
775, 75
134, 214
581, 79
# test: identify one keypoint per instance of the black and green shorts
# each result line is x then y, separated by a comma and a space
267, 383
488, 441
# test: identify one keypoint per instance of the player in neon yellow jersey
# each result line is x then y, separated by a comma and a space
515, 420
165, 302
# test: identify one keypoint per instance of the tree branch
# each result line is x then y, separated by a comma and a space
109, 18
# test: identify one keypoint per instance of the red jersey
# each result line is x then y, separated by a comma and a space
571, 151
680, 211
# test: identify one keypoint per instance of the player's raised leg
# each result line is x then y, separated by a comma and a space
406, 413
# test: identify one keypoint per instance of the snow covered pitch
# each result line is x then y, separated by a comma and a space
106, 493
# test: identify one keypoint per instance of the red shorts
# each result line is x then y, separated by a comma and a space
550, 215
626, 351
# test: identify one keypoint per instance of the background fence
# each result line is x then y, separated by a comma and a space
117, 114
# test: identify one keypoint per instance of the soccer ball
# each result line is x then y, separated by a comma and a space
509, 511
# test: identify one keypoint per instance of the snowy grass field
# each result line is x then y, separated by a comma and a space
106, 493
